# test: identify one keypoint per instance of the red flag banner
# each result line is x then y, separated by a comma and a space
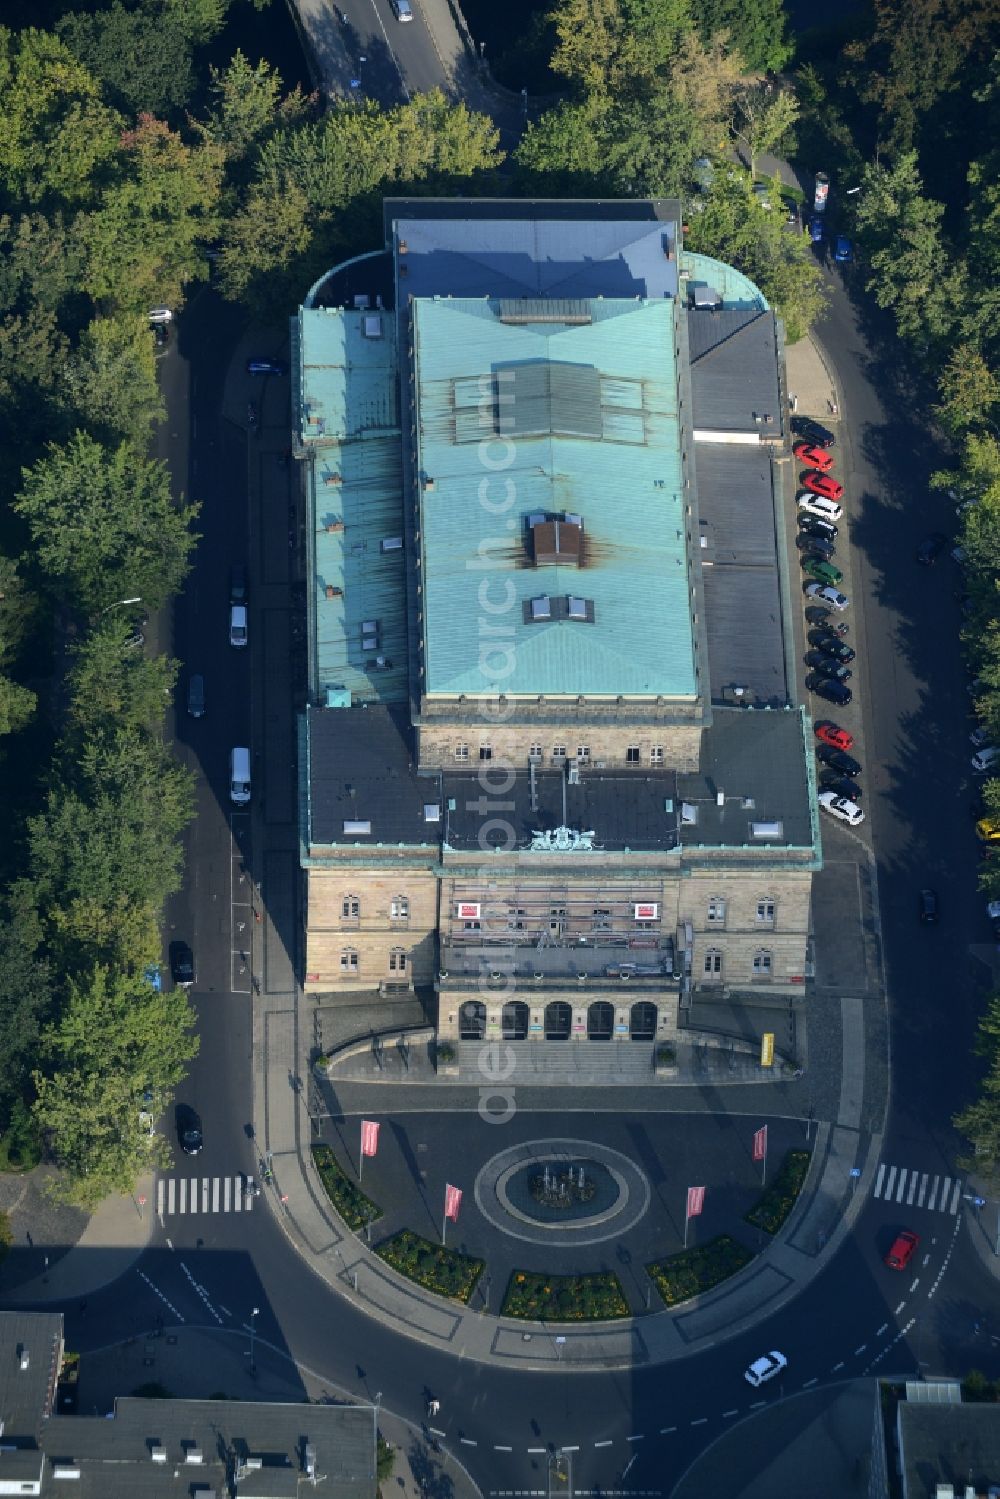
696, 1201
760, 1143
369, 1137
452, 1203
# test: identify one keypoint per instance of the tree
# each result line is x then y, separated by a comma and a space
25, 996
18, 608
112, 687
57, 135
970, 391
110, 381
756, 29
617, 48
762, 118
143, 242
103, 523
144, 60
115, 1038
247, 106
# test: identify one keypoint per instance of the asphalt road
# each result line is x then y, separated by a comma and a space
646, 1425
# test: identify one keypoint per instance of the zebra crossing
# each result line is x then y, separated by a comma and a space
202, 1194
918, 1189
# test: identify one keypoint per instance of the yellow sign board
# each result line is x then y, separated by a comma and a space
767, 1049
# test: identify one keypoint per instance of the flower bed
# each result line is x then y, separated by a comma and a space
438, 1269
681, 1276
777, 1200
564, 1298
354, 1207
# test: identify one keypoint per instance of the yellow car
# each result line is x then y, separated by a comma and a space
988, 829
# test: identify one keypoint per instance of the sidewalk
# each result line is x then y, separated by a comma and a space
113, 1239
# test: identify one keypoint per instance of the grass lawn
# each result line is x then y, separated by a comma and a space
438, 1269
681, 1276
564, 1298
354, 1207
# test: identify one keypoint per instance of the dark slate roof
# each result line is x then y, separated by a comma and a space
362, 769
740, 572
750, 756
623, 809
734, 370
956, 1444
26, 1394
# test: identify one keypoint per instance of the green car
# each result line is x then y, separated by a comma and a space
823, 572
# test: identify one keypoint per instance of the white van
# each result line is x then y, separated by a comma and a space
404, 10
239, 776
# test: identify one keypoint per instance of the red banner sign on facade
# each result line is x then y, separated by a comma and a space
468, 910
452, 1203
760, 1143
369, 1137
696, 1201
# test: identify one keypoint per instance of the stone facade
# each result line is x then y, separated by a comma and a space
370, 926
450, 746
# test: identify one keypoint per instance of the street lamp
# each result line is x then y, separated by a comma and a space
118, 604
253, 1320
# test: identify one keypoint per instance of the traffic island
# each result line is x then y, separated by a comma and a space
777, 1200
433, 1266
564, 1298
357, 1210
694, 1271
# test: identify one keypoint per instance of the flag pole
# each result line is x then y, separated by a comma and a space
763, 1164
687, 1220
444, 1224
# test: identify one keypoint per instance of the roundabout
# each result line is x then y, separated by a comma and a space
534, 1192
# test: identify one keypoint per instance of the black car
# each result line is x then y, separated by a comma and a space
815, 546
196, 695
816, 614
927, 907
814, 525
188, 1129
161, 334
821, 662
831, 645
238, 584
840, 785
931, 548
805, 427
837, 760
182, 964
834, 692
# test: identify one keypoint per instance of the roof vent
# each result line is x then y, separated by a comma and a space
23, 1358
432, 812
357, 826
689, 814
372, 326
541, 608
310, 1456
767, 830
720, 798
573, 775
158, 1452
193, 1455
576, 608
65, 1470
254, 1464
557, 542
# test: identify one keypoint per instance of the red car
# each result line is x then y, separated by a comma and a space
828, 733
822, 484
903, 1249
814, 457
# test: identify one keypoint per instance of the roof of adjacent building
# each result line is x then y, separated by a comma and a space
948, 1443
31, 1345
579, 418
759, 763
734, 370
363, 786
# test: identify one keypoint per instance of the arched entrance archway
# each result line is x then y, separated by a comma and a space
472, 1020
515, 1020
642, 1021
558, 1020
600, 1021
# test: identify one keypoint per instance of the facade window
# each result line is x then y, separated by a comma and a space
515, 921
348, 961
461, 752
397, 960
713, 962
557, 910
350, 908
399, 908
716, 911
602, 918
656, 755
535, 752
486, 752
558, 752
765, 913
471, 926
632, 755
583, 752
761, 964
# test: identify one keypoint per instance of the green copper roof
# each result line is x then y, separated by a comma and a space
538, 411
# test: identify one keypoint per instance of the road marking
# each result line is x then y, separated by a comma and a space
877, 1191
468, 1442
902, 1186
215, 1194
891, 1183
923, 1190
860, 1350
569, 1449
914, 1179
606, 1443
225, 1194
932, 1200
954, 1199
640, 1438
837, 1366
726, 1414
182, 1195
537, 1449
915, 1285
436, 1433
204, 1194
224, 1310
497, 1448
664, 1431
157, 1292
701, 1421
810, 1382
899, 1309
758, 1405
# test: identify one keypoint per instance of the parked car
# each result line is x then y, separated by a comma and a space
153, 975
816, 229
822, 484
831, 596
817, 458
838, 760
196, 695
791, 211
993, 912
832, 645
266, 367
188, 1129
988, 830
182, 965
161, 334
843, 250
841, 786
238, 591
841, 808
980, 737
812, 431
238, 625
931, 548
819, 614
811, 525
160, 315
904, 1247
831, 734
823, 572
827, 666
818, 506
985, 758
766, 1367
815, 546
834, 692
927, 907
